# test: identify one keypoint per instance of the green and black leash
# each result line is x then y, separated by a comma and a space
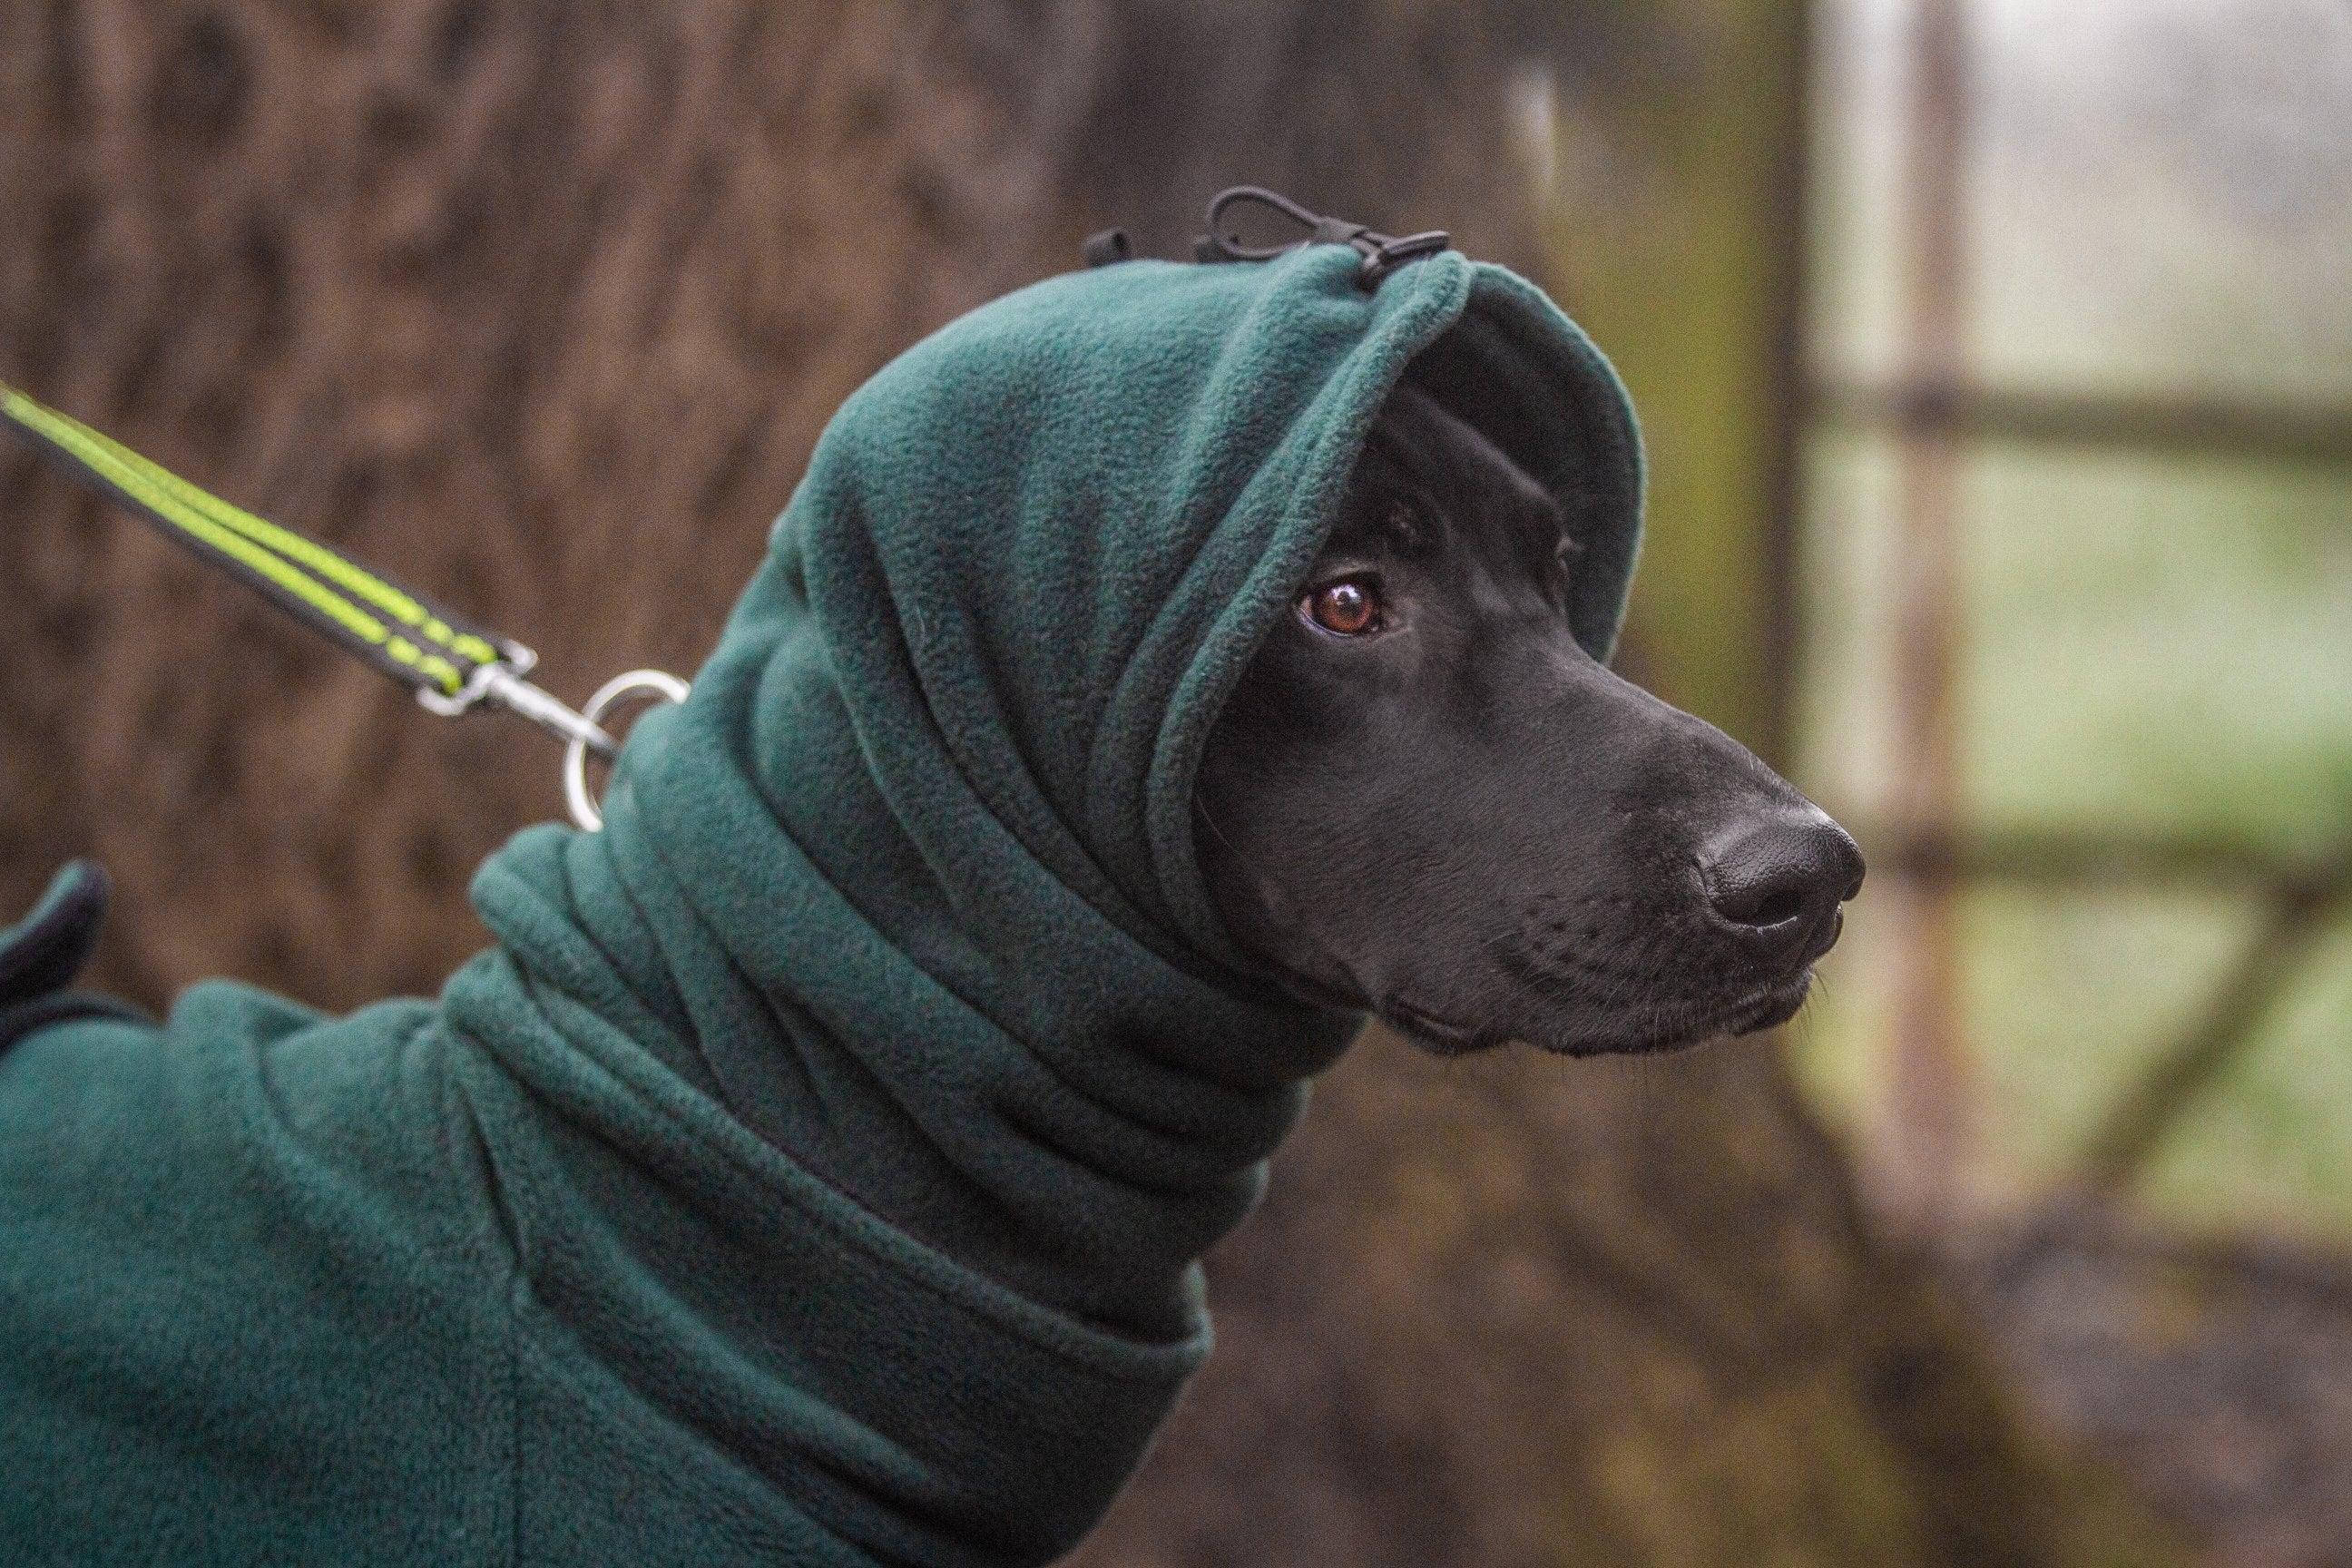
452, 663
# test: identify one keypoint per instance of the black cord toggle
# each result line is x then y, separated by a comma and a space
1109, 248
1383, 254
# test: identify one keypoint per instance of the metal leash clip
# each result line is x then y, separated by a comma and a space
581, 730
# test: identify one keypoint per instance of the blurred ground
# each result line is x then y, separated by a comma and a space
2218, 1372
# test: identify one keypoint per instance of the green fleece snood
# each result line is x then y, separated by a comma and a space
818, 1166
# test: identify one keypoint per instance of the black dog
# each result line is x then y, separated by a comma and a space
817, 1167
1424, 799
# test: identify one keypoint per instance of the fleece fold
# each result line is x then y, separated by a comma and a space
817, 1167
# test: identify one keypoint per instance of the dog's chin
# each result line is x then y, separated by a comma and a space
1749, 1012
1766, 1007
1540, 1022
1770, 1007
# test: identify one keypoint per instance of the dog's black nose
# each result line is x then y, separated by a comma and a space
1781, 874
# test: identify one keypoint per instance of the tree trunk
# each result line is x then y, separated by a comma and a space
541, 307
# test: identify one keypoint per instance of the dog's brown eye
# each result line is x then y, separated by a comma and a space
1349, 606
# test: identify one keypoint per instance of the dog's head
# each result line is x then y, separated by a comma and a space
1426, 799
1152, 623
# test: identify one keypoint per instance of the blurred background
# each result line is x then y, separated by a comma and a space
1996, 363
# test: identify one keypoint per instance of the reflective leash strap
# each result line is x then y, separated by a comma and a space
451, 663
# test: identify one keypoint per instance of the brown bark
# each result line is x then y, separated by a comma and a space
541, 307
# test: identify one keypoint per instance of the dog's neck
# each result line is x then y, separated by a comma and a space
925, 1017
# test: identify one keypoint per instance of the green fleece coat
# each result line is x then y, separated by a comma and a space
815, 1170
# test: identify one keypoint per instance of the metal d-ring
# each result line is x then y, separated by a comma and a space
668, 687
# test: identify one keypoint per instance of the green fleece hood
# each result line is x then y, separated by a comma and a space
830, 1139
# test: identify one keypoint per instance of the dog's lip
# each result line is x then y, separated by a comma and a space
1424, 1024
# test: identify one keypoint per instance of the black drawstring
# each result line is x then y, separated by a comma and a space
1383, 254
